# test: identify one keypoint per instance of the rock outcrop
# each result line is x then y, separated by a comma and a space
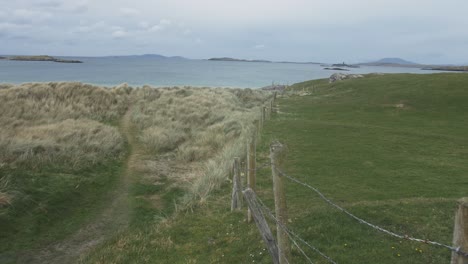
342, 76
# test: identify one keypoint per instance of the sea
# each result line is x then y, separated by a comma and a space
163, 72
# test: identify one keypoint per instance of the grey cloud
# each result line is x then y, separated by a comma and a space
48, 3
126, 11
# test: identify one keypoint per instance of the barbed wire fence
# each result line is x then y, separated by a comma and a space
376, 227
278, 253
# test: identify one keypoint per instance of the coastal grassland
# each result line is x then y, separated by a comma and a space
58, 155
391, 149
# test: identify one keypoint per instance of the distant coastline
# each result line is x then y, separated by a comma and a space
39, 58
264, 61
447, 68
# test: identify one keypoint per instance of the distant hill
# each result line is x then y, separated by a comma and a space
395, 61
392, 62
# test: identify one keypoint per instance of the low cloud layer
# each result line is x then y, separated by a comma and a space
424, 31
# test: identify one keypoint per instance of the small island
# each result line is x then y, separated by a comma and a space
345, 65
41, 58
335, 69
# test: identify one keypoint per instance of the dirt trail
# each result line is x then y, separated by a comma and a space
110, 221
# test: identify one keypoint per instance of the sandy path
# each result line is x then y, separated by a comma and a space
110, 221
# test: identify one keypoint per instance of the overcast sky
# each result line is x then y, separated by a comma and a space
425, 31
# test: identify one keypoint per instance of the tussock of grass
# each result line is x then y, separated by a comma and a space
75, 143
39, 103
44, 124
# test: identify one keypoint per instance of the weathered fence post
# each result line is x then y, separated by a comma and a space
271, 108
251, 170
460, 232
276, 151
274, 97
236, 200
258, 133
264, 112
262, 224
262, 120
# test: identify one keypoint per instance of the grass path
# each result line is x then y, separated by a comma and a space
114, 217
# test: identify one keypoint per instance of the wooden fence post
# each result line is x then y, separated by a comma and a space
460, 232
276, 151
271, 107
251, 171
264, 114
236, 200
262, 224
258, 133
261, 118
274, 97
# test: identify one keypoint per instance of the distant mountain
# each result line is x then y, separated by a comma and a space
154, 56
392, 62
395, 61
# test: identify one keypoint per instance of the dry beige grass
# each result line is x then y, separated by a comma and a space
44, 124
76, 143
204, 127
5, 197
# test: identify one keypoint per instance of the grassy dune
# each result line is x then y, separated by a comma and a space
203, 127
62, 151
57, 151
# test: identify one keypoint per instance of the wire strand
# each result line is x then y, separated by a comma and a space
290, 232
362, 221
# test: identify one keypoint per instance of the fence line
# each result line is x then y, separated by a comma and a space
256, 204
362, 221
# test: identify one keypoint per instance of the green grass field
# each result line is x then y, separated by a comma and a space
391, 149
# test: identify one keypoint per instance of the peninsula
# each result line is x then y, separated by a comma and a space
447, 68
233, 59
265, 61
40, 58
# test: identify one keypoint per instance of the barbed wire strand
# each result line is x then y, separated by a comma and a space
264, 165
290, 232
362, 221
270, 214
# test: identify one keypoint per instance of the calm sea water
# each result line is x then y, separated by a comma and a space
138, 71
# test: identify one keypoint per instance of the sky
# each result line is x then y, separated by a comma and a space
424, 31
